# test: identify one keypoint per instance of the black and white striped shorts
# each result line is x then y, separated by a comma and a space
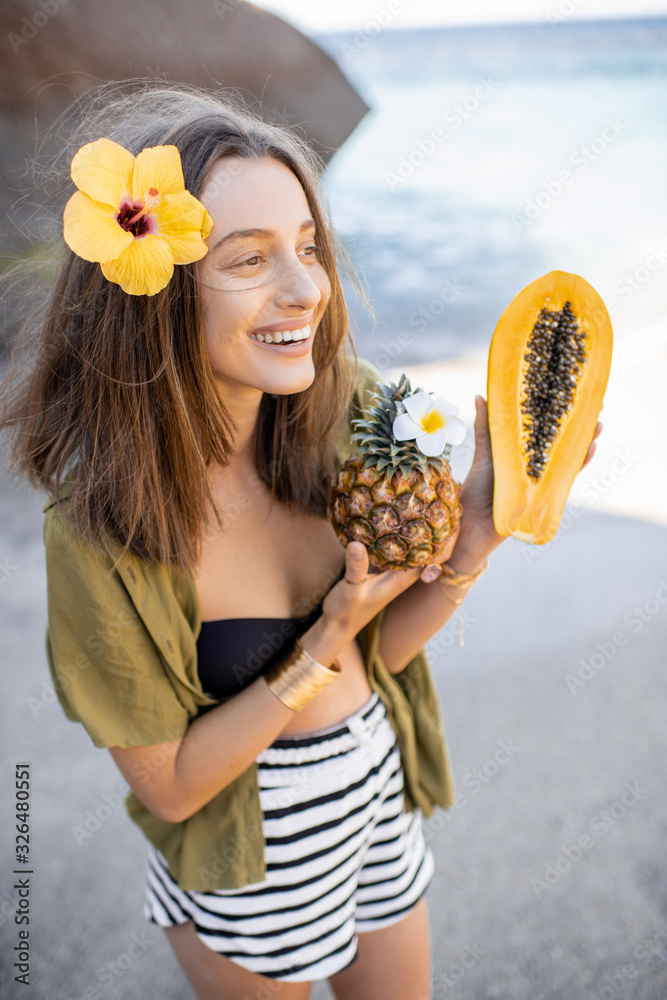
342, 856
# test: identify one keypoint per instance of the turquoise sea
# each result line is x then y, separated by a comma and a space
492, 155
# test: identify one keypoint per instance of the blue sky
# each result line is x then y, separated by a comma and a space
339, 15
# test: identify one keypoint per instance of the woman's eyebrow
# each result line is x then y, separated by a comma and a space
266, 233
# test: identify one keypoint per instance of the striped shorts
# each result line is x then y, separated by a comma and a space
342, 856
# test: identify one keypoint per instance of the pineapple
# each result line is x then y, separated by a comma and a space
401, 503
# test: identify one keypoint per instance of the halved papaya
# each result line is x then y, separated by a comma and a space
549, 363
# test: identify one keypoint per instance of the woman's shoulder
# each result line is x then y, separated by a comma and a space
367, 378
366, 383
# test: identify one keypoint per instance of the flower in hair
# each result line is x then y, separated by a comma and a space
133, 216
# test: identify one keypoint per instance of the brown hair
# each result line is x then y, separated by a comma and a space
119, 398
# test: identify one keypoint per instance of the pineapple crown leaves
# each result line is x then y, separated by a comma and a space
374, 438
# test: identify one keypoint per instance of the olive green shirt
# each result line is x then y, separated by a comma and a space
121, 648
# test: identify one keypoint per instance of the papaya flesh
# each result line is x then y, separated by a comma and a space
549, 363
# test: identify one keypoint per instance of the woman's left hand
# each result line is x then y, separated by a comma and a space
591, 447
476, 494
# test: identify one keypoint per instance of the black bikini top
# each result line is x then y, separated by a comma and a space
233, 652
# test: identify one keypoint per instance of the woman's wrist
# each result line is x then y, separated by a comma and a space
473, 547
456, 585
310, 667
325, 639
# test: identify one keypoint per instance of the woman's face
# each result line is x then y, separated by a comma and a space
261, 277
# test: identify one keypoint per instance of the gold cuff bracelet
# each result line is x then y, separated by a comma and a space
297, 679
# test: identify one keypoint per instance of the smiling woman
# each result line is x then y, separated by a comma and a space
187, 409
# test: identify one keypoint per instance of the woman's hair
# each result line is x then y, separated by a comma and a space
118, 403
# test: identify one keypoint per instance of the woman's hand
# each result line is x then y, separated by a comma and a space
591, 447
477, 490
354, 601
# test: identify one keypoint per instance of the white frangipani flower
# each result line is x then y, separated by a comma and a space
432, 421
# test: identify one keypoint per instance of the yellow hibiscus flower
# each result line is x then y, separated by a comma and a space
133, 216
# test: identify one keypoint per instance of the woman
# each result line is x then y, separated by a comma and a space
279, 765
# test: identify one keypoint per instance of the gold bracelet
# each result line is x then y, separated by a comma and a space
450, 578
297, 679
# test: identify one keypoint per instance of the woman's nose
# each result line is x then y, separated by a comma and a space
296, 287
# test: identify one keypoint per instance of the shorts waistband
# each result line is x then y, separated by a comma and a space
356, 729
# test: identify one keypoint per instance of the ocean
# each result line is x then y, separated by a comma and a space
490, 156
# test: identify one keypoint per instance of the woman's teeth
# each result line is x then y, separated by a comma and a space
282, 337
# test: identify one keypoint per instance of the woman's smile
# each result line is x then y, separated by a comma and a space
290, 338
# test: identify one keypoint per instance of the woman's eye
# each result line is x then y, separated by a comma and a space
257, 259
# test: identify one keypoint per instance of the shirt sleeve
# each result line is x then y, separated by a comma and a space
107, 672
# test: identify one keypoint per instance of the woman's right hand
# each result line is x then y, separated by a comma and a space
355, 600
